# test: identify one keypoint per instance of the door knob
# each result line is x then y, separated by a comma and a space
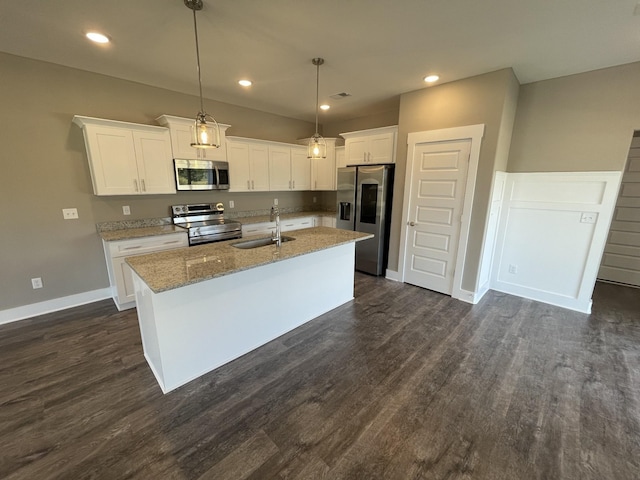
413, 224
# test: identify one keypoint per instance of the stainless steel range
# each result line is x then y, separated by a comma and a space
205, 222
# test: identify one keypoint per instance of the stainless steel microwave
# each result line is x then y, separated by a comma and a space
201, 174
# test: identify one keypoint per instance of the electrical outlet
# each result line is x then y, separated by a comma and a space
588, 217
232, 204
70, 213
513, 268
275, 201
315, 199
126, 210
36, 283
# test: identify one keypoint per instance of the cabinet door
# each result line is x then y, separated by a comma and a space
357, 150
181, 143
341, 158
155, 165
112, 160
381, 148
279, 168
296, 224
300, 169
324, 173
265, 228
239, 167
329, 221
259, 158
125, 291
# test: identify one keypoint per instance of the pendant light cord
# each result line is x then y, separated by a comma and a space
317, 90
195, 29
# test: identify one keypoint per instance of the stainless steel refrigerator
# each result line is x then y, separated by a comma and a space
364, 204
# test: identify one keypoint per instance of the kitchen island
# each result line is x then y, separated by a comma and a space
201, 307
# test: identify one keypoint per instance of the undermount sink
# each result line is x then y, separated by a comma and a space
260, 242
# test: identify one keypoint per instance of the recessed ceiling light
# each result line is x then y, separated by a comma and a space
97, 37
325, 107
245, 83
431, 78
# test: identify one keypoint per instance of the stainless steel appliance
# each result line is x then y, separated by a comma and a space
201, 174
205, 223
364, 204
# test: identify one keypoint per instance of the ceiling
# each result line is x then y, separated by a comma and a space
373, 49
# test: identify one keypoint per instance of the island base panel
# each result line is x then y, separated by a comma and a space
189, 331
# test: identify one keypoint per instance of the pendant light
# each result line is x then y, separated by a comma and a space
317, 145
205, 130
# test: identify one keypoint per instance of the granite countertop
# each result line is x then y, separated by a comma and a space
128, 229
139, 232
177, 268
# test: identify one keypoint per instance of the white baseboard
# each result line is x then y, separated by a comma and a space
392, 275
470, 297
55, 305
576, 304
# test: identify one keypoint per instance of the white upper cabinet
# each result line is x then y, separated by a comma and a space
289, 168
127, 158
341, 159
377, 145
323, 170
181, 138
248, 165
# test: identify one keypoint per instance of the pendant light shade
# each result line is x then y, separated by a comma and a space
205, 131
317, 146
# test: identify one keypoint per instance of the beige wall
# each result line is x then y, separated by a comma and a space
488, 99
44, 169
382, 119
577, 123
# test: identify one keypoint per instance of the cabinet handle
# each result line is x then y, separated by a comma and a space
171, 243
294, 184
248, 185
144, 187
315, 184
132, 248
289, 184
252, 185
135, 185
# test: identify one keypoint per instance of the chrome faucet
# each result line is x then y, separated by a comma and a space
275, 215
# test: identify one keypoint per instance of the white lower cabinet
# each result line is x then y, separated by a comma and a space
264, 228
268, 228
296, 223
328, 221
119, 272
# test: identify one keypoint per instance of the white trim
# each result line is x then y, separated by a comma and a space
473, 297
392, 275
54, 305
475, 134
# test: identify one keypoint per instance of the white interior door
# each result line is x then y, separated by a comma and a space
621, 259
438, 180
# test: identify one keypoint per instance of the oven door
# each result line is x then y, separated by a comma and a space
195, 174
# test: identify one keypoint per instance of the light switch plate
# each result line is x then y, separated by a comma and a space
126, 210
70, 213
232, 204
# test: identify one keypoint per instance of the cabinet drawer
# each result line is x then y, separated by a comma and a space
138, 246
265, 228
296, 224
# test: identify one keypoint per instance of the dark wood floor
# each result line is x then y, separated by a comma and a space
402, 383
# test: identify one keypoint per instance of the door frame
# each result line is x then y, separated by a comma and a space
469, 132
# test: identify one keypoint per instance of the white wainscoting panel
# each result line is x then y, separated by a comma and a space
551, 235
